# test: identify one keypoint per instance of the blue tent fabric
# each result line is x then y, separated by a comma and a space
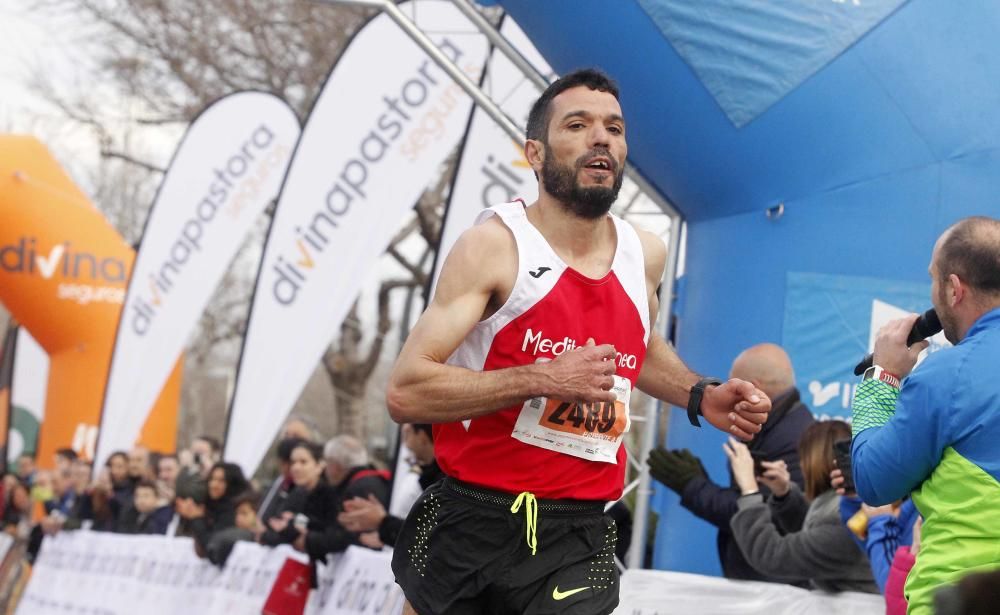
872, 156
750, 54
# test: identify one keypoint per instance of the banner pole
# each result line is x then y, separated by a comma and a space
453, 71
7, 365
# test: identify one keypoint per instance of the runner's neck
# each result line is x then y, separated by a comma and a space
586, 245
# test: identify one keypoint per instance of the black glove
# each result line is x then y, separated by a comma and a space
675, 469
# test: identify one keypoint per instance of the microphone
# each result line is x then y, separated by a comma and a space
927, 325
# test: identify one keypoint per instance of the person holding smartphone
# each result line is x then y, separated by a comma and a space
796, 534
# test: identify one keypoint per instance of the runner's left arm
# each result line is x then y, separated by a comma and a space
736, 406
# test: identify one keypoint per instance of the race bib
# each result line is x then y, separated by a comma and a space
589, 431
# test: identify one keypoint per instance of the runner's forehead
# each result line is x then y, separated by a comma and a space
582, 100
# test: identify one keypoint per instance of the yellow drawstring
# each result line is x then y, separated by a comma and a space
531, 510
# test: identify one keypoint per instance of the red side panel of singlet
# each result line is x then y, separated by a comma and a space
575, 309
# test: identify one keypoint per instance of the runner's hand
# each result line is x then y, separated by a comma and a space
582, 375
736, 407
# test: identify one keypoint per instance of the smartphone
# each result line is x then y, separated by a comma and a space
842, 454
301, 522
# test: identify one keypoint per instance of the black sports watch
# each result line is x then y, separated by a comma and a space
694, 402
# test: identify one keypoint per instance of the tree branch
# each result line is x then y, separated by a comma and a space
109, 153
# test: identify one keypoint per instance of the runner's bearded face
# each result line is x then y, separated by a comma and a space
585, 151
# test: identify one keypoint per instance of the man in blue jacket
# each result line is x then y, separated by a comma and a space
768, 367
934, 435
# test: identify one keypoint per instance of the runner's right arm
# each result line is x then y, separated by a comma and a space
479, 274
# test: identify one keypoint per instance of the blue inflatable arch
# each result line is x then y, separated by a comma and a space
873, 124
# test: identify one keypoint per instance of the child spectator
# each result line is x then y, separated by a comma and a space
147, 515
246, 513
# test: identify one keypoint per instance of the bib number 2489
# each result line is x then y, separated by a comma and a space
599, 417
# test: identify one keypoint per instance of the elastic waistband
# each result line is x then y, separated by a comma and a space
501, 500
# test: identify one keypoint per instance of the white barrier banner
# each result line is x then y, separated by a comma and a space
360, 583
28, 391
652, 592
386, 119
111, 574
227, 169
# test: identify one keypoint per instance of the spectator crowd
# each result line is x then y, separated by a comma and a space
324, 498
790, 513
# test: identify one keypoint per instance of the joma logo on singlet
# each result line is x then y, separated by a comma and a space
538, 343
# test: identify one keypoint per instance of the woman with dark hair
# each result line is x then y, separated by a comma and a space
796, 536
309, 528
122, 488
209, 521
225, 482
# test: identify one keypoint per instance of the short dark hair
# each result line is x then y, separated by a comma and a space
192, 487
121, 454
285, 448
971, 250
213, 443
541, 114
68, 453
246, 497
427, 428
315, 450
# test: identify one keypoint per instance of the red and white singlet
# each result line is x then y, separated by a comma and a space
554, 450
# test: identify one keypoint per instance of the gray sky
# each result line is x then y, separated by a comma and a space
32, 41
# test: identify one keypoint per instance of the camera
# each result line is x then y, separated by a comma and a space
301, 522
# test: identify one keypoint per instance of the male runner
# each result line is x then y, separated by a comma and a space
540, 328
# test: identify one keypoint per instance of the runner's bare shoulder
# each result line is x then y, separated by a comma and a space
654, 254
483, 260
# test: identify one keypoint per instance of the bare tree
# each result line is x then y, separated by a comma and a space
347, 363
168, 59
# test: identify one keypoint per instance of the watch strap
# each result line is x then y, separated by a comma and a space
875, 372
694, 402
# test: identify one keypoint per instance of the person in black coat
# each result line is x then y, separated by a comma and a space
146, 516
313, 507
122, 487
202, 519
225, 483
368, 517
350, 475
768, 367
282, 495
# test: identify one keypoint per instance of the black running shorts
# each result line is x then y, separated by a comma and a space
462, 551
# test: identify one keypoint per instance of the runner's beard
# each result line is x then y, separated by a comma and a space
587, 202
